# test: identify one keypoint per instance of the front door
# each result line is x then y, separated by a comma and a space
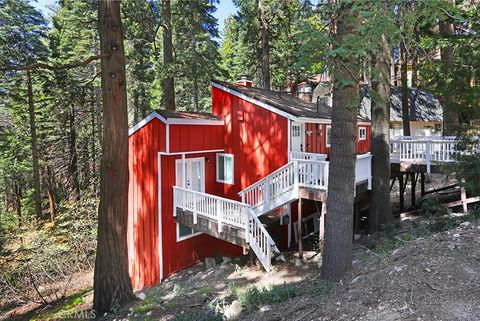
297, 137
195, 173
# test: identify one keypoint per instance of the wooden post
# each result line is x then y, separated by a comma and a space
322, 225
414, 185
402, 191
422, 184
356, 222
300, 230
463, 197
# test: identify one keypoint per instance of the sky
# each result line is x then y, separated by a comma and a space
224, 9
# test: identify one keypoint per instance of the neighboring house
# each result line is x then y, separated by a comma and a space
228, 182
425, 111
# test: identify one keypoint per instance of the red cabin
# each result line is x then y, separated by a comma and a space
228, 182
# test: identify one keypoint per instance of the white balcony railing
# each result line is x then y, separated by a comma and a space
424, 150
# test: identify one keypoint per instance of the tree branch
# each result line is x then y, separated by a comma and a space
41, 65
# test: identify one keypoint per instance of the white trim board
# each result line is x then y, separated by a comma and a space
173, 121
160, 234
255, 101
193, 152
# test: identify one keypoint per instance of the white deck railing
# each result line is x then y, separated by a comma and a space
307, 156
424, 151
281, 186
230, 212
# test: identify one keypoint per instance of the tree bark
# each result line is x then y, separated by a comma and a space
52, 194
337, 255
265, 44
34, 145
168, 81
112, 285
450, 115
404, 80
380, 208
73, 161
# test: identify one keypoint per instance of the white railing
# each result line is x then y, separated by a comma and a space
313, 174
268, 191
424, 151
307, 156
363, 169
423, 138
226, 211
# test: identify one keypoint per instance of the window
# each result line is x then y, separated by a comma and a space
185, 232
328, 136
296, 130
225, 168
362, 133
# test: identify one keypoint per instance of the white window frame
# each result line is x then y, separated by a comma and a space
186, 237
360, 129
328, 143
229, 182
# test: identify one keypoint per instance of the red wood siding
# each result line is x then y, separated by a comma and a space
143, 205
257, 137
179, 255
315, 139
143, 214
192, 138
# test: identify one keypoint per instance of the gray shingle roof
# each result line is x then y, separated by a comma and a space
167, 114
282, 101
423, 106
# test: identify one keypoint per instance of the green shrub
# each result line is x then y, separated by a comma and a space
253, 298
199, 314
438, 215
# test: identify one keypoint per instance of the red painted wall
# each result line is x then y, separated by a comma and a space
257, 137
143, 234
194, 138
143, 205
316, 141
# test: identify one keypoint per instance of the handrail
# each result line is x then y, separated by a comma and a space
424, 151
227, 211
307, 156
420, 138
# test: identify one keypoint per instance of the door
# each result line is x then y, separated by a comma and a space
297, 137
195, 173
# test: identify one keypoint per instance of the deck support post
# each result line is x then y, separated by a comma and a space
300, 230
356, 222
402, 192
422, 184
463, 197
321, 227
414, 185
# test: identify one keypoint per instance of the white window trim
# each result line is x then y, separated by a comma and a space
360, 130
328, 144
233, 169
186, 237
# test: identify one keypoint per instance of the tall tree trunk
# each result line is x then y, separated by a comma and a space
337, 255
52, 193
265, 44
380, 208
404, 78
194, 71
34, 145
136, 107
18, 203
168, 81
450, 115
73, 164
112, 286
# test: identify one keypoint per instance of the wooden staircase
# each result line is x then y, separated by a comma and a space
238, 222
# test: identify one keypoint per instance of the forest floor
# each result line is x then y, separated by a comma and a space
408, 273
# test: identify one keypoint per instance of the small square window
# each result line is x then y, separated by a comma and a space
185, 232
328, 136
225, 168
296, 130
362, 133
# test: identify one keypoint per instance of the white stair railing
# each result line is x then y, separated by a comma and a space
307, 156
230, 212
313, 174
